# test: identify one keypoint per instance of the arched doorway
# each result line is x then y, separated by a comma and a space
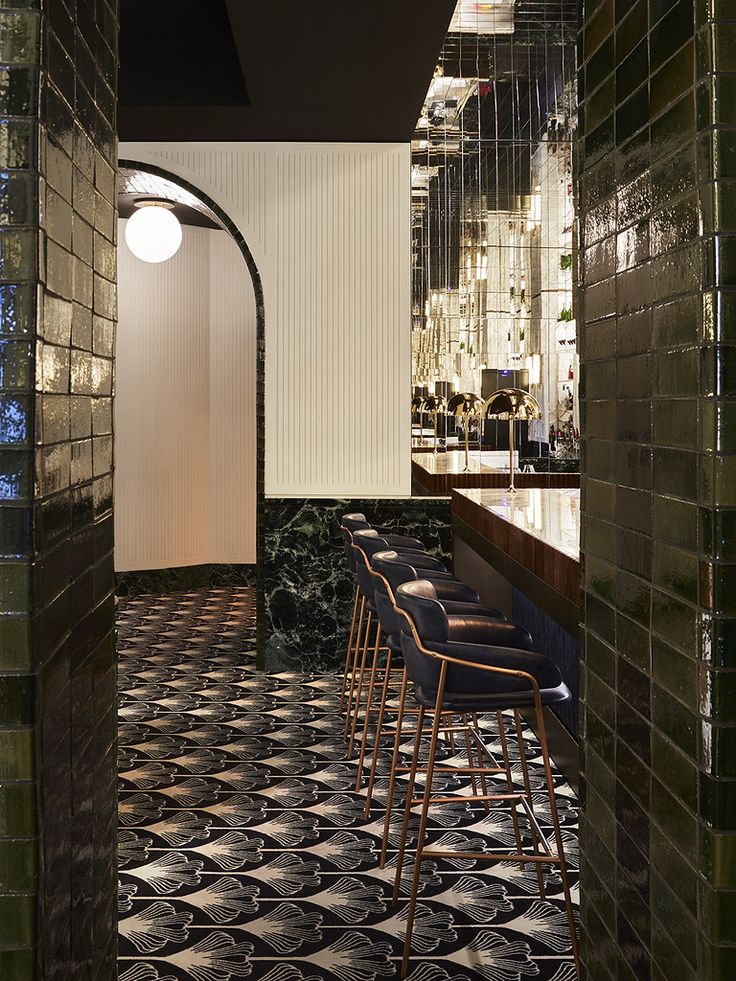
152, 181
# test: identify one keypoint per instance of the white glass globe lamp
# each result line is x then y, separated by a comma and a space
153, 232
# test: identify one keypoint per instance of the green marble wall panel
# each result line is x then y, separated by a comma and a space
308, 592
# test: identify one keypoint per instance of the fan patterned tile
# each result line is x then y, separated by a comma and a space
243, 849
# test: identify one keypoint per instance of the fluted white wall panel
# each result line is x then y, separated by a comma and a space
329, 228
232, 435
185, 407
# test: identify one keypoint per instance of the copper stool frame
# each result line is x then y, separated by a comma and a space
546, 857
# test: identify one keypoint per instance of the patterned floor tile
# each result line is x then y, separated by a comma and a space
242, 846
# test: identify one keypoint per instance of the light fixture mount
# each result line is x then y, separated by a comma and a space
154, 203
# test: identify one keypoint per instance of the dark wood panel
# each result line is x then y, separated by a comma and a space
444, 484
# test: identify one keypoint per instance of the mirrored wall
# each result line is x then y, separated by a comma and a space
493, 223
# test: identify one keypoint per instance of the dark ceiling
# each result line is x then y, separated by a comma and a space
321, 70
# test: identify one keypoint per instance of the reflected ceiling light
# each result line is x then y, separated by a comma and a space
489, 17
153, 233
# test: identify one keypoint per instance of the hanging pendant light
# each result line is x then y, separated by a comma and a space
153, 232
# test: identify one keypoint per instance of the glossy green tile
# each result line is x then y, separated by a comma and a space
722, 582
633, 597
633, 115
18, 964
18, 810
675, 127
678, 872
676, 571
14, 587
18, 203
631, 29
674, 177
600, 65
632, 71
718, 481
600, 578
674, 820
677, 924
676, 721
18, 916
18, 865
719, 748
675, 621
599, 106
633, 772
634, 640
717, 802
673, 79
15, 533
18, 254
676, 673
17, 700
15, 644
598, 28
675, 470
675, 29
19, 37
675, 522
717, 857
16, 754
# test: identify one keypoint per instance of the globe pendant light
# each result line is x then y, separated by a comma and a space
153, 233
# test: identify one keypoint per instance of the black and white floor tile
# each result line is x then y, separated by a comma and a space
243, 848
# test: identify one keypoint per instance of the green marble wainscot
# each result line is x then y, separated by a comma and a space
308, 593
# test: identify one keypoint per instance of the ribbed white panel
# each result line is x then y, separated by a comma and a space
232, 404
185, 407
329, 228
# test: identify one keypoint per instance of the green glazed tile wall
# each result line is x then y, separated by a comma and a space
58, 67
657, 181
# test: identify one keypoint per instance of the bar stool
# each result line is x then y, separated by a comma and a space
366, 589
465, 664
390, 569
513, 635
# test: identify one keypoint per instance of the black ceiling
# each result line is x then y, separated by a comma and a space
322, 70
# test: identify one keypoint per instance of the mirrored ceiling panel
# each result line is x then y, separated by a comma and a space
493, 221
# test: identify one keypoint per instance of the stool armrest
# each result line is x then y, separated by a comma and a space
456, 591
453, 609
480, 630
536, 669
404, 542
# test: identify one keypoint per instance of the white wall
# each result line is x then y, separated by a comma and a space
185, 405
329, 228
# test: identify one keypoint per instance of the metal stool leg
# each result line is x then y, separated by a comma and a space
542, 732
394, 764
528, 790
369, 704
407, 804
510, 782
349, 650
359, 691
379, 736
354, 672
423, 820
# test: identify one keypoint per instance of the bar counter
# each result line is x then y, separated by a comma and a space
521, 553
444, 472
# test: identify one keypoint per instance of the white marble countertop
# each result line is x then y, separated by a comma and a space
551, 514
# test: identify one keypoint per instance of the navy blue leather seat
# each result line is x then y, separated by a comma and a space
397, 567
471, 640
366, 542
